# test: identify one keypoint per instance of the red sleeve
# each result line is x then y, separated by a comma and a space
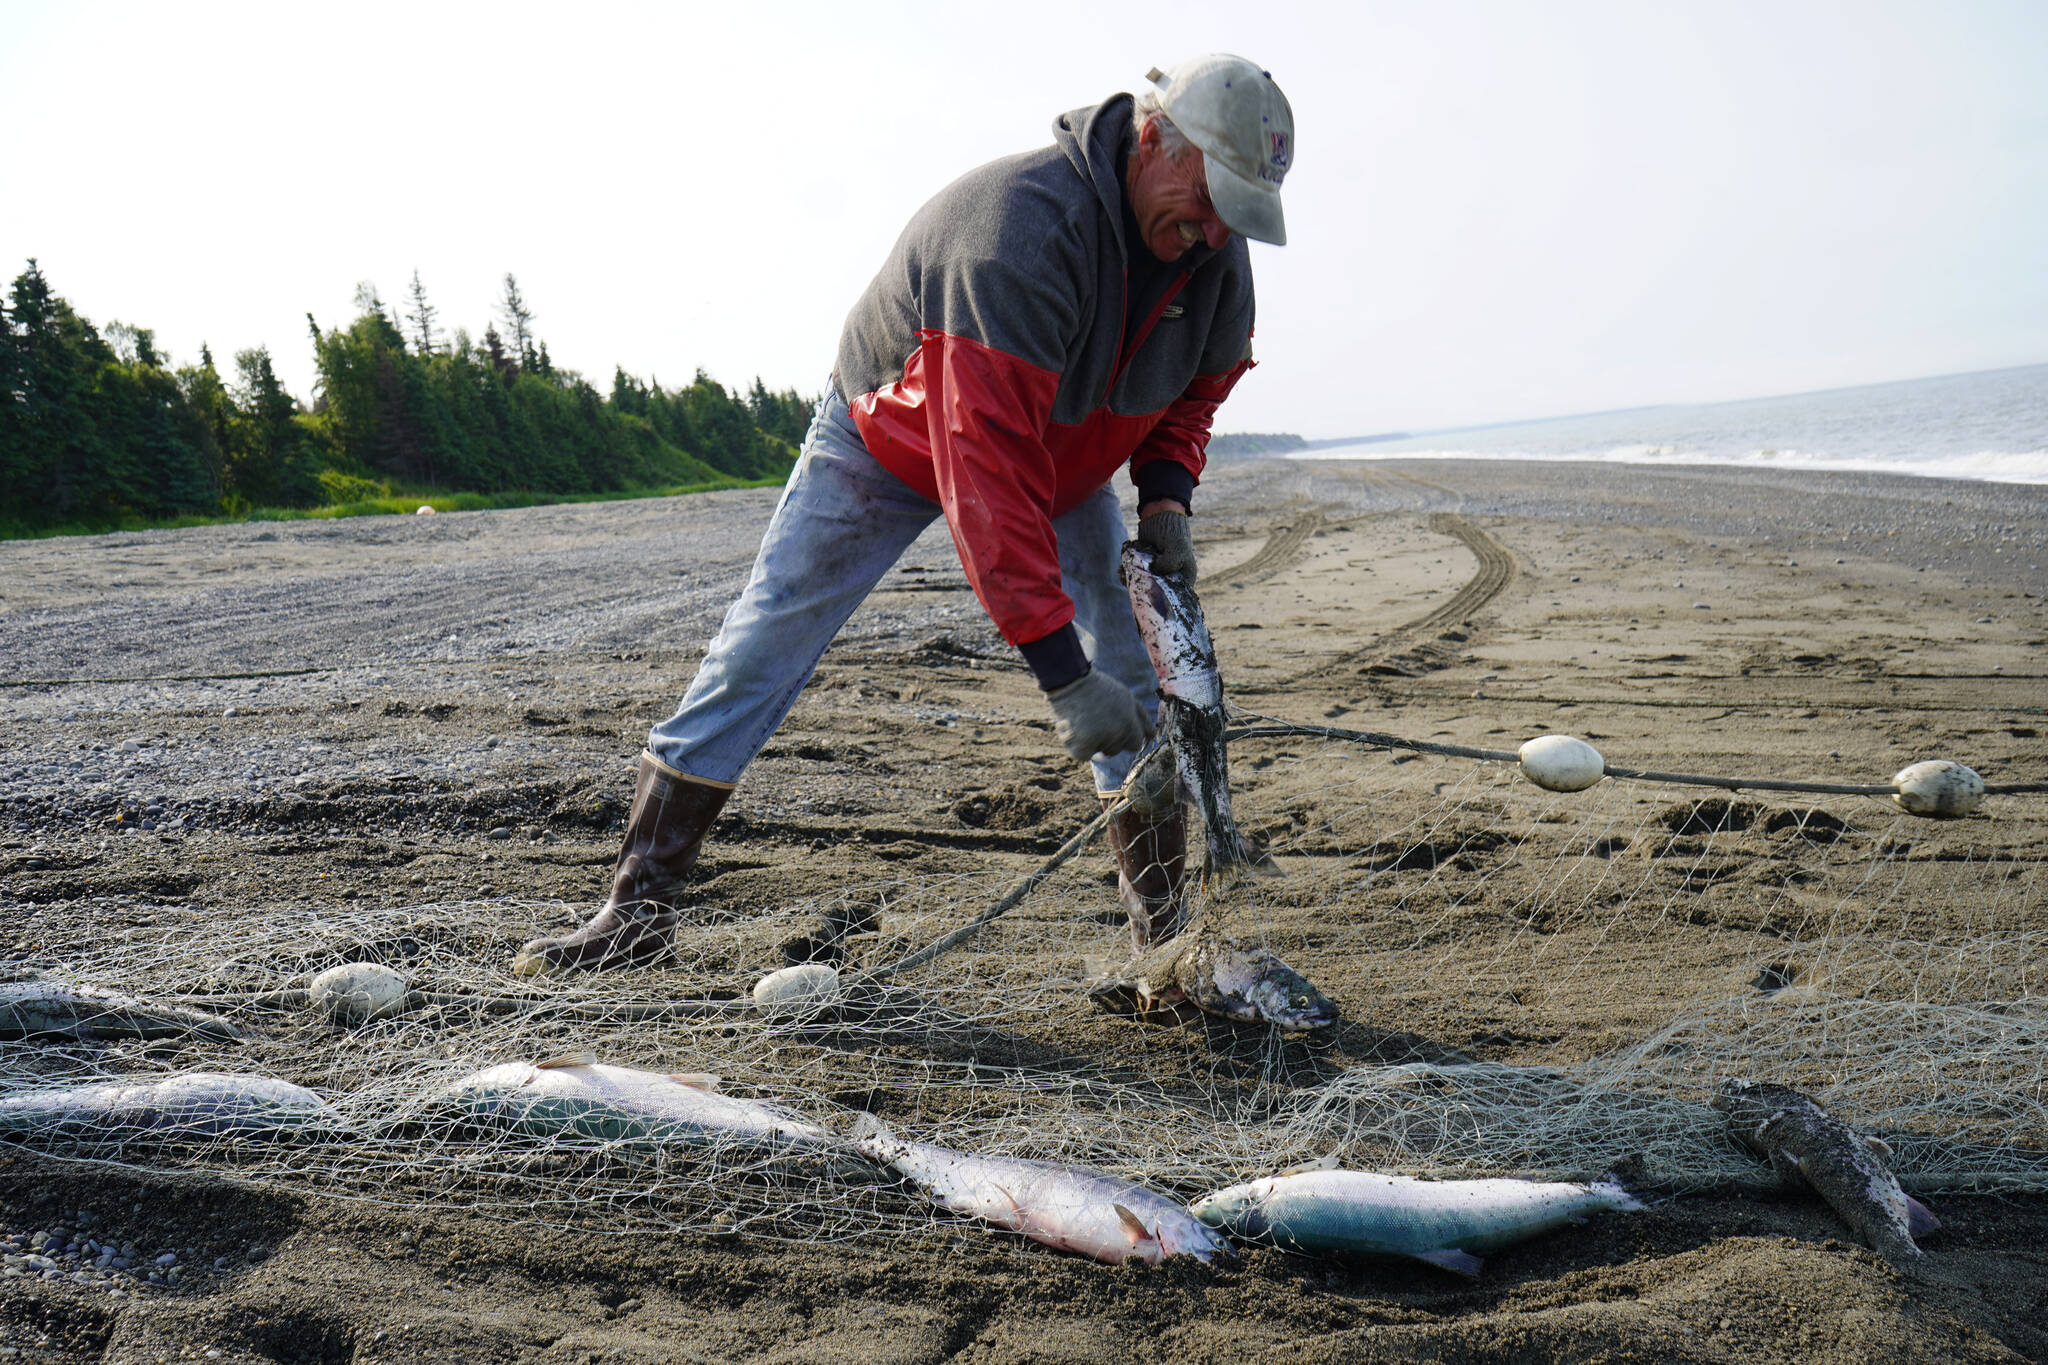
986, 412
1182, 435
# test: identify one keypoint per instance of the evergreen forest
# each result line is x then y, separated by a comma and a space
99, 430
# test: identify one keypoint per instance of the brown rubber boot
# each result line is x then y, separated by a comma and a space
637, 925
1151, 857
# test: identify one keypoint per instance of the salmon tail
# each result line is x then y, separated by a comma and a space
1616, 1195
872, 1136
1257, 857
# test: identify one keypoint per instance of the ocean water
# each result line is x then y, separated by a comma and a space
1990, 425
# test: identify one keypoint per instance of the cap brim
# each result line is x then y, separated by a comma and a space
1250, 208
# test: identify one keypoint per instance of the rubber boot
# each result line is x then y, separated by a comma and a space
1151, 859
637, 925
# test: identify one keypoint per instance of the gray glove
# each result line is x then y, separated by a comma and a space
1096, 714
1173, 548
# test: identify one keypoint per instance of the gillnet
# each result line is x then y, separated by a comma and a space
1531, 983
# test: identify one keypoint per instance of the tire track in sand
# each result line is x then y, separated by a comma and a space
1418, 646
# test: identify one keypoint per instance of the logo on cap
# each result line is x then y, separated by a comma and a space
1276, 160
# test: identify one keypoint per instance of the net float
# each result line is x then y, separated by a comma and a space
1561, 763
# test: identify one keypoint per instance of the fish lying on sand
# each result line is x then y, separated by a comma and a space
579, 1095
1191, 718
1068, 1207
1444, 1222
1846, 1168
56, 1009
199, 1104
1199, 967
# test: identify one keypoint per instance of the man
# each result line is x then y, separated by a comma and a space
1044, 320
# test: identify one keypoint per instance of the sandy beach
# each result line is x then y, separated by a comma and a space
275, 741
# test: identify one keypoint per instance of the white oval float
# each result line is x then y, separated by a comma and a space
1940, 789
426, 510
1562, 763
357, 992
807, 988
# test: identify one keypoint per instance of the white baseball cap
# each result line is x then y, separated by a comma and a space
1231, 109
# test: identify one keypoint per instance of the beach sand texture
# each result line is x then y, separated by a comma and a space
327, 722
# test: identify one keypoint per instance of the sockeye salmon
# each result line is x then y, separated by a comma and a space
577, 1095
199, 1104
56, 1009
1844, 1167
1068, 1207
1444, 1222
1191, 717
1201, 968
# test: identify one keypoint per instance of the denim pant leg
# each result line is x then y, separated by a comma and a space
1091, 541
843, 520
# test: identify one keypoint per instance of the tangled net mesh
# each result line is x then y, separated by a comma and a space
1532, 983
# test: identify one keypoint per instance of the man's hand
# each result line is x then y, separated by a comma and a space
1165, 531
1096, 714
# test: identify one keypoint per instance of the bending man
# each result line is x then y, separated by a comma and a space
1043, 321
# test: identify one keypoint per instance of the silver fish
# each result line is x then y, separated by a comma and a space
1444, 1222
1191, 719
1218, 976
1846, 1168
1068, 1207
56, 1009
581, 1096
199, 1104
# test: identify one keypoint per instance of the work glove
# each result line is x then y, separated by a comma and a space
1096, 714
1172, 546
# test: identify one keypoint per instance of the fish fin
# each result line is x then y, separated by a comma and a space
1133, 1225
696, 1080
1257, 858
1321, 1163
1879, 1147
1015, 1207
1451, 1259
1920, 1219
568, 1059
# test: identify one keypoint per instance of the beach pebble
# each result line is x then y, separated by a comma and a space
1939, 789
357, 992
1562, 763
793, 992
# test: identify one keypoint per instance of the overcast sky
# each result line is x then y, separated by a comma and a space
1497, 210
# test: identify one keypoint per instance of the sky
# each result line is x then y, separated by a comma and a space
1497, 210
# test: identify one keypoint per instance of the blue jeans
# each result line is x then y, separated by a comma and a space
842, 523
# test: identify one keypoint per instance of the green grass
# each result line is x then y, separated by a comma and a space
405, 503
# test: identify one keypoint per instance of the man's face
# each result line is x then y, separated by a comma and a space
1170, 199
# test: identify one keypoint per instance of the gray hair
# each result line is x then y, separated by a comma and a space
1172, 140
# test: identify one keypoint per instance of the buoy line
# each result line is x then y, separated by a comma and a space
1289, 729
